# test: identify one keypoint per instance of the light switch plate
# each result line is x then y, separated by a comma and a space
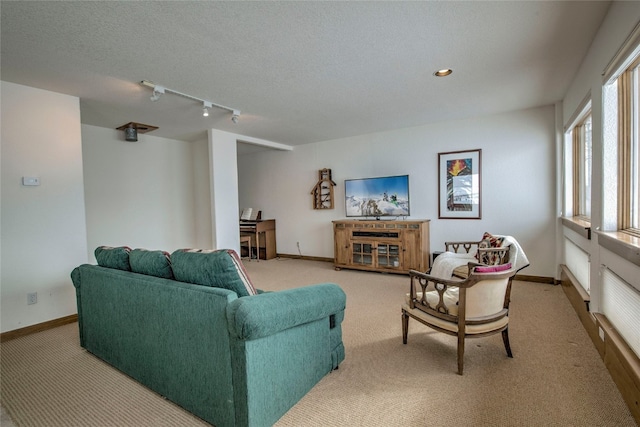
30, 180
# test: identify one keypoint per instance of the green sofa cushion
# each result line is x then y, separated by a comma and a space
111, 257
220, 269
151, 263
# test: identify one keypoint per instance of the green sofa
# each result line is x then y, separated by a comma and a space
231, 360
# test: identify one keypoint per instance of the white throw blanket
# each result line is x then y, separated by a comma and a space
517, 257
445, 263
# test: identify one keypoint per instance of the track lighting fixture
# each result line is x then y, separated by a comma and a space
206, 105
205, 108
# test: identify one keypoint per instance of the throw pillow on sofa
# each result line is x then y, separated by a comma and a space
152, 263
218, 268
111, 257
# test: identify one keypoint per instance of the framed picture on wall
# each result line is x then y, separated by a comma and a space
459, 185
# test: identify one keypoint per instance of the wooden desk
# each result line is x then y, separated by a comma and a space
263, 236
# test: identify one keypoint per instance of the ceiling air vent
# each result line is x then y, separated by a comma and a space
132, 129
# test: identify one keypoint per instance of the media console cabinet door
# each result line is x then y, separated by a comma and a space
413, 255
342, 244
389, 255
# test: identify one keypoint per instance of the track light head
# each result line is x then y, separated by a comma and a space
235, 116
205, 108
157, 91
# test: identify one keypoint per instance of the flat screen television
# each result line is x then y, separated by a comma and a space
377, 197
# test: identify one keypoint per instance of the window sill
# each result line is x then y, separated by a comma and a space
623, 244
578, 225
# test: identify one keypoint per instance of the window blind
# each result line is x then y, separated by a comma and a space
620, 302
577, 262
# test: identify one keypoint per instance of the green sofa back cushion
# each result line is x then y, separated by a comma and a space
110, 257
220, 269
151, 263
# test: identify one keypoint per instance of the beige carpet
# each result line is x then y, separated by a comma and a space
556, 377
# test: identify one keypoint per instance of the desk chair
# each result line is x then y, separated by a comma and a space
245, 238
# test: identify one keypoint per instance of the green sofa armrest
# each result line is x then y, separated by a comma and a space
265, 314
75, 277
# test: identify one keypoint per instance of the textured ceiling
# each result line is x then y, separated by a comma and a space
300, 72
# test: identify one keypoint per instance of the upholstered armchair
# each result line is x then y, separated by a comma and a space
473, 308
490, 250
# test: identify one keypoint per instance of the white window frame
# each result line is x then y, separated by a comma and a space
578, 164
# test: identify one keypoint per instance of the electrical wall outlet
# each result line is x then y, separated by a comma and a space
32, 298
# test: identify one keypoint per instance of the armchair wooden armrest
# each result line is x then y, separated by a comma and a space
427, 283
422, 287
462, 273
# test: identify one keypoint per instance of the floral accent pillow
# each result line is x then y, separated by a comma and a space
490, 241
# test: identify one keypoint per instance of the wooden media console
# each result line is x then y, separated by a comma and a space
379, 245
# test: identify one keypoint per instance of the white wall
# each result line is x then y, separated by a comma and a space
202, 190
43, 228
224, 189
518, 182
143, 194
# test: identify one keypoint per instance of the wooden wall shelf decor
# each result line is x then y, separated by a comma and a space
323, 191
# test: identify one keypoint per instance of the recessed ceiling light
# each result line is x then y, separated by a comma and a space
443, 73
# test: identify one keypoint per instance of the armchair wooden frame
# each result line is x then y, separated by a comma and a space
437, 313
456, 246
488, 256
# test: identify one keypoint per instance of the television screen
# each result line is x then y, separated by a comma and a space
383, 196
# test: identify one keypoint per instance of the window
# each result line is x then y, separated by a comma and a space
621, 159
634, 221
578, 155
581, 148
628, 119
